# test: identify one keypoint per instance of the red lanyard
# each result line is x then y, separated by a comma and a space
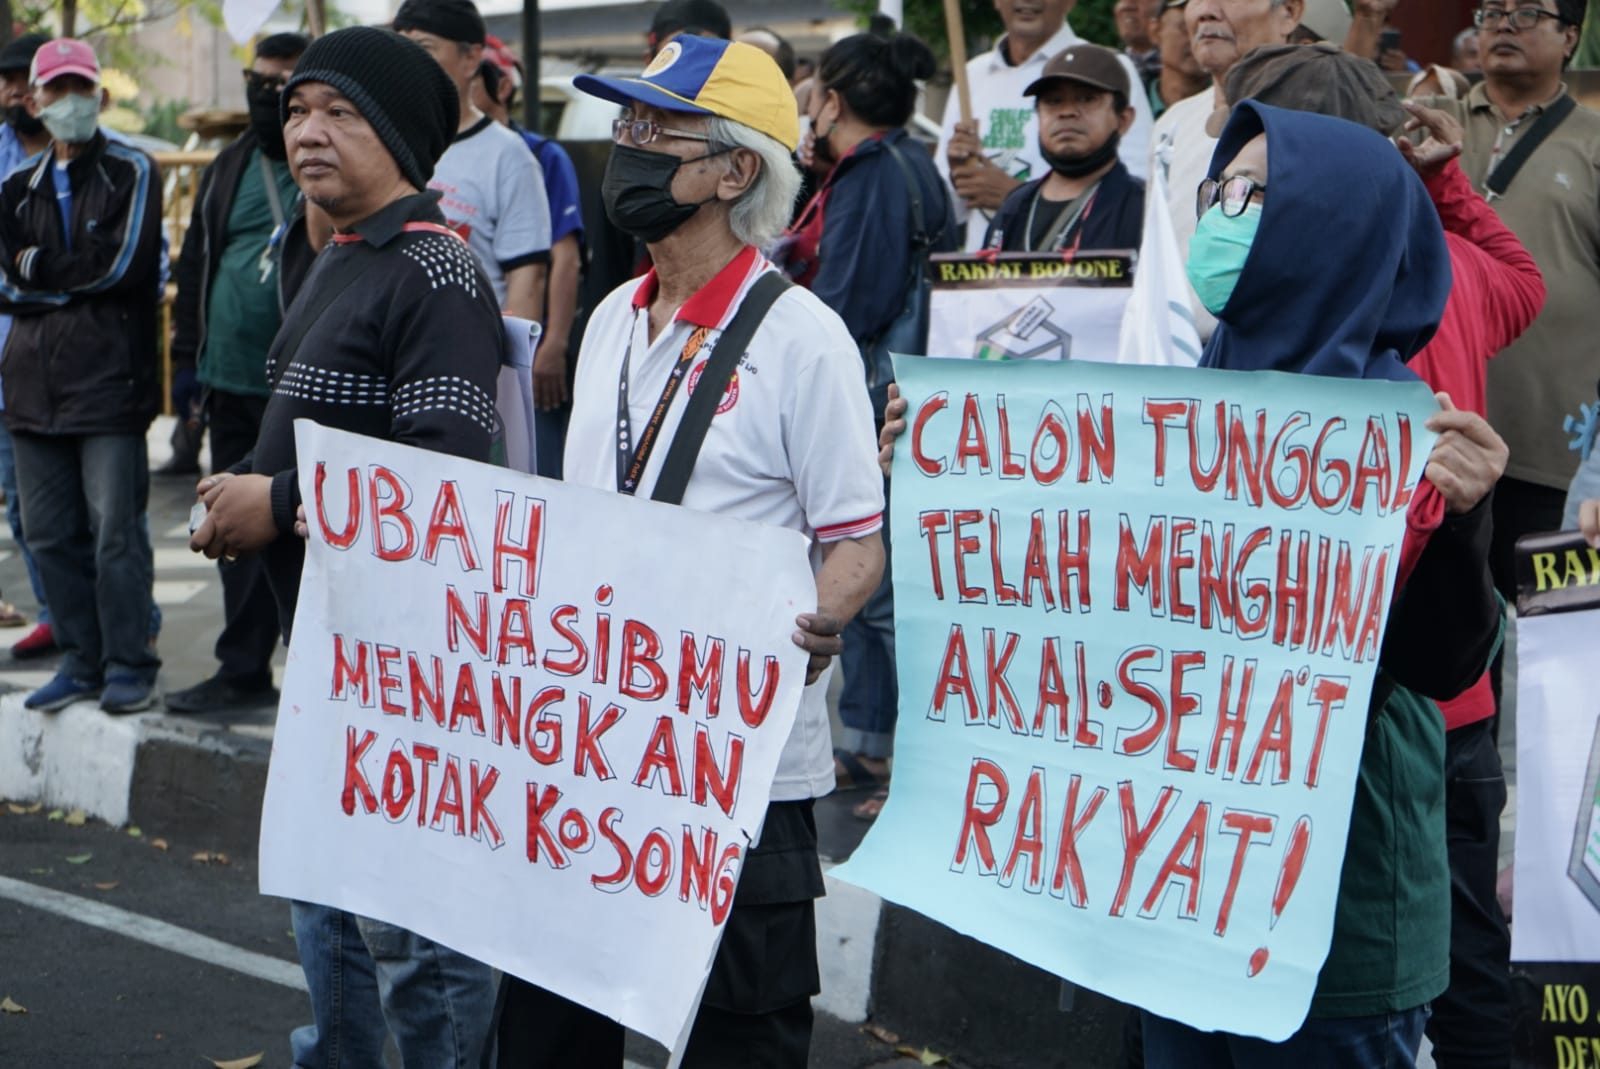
409, 228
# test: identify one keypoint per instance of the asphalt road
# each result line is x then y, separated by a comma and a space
99, 937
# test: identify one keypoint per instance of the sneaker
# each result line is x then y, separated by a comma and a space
61, 692
40, 642
127, 693
217, 694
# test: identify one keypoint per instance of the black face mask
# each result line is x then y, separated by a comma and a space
1078, 166
266, 122
637, 191
18, 119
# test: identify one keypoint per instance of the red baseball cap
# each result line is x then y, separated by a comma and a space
66, 56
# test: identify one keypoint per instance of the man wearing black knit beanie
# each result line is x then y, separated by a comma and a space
395, 334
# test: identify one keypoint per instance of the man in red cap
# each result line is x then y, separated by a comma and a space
80, 251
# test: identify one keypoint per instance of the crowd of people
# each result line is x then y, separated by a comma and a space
351, 255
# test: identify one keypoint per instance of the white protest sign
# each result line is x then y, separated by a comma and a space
1555, 940
535, 722
1029, 306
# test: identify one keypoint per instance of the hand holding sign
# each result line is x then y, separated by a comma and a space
1468, 458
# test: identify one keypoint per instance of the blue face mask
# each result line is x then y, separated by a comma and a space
1217, 254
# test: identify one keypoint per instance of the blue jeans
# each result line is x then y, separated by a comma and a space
1383, 1041
550, 439
869, 698
369, 979
8, 483
83, 508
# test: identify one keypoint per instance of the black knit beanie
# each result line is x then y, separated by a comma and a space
399, 89
453, 20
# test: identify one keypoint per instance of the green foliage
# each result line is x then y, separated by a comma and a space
161, 120
925, 18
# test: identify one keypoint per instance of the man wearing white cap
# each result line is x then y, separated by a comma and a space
80, 253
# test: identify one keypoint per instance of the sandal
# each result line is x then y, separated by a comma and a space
869, 808
850, 773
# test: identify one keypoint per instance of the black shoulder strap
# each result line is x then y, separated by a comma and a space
1548, 120
920, 236
707, 395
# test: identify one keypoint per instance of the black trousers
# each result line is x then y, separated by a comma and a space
1519, 508
1471, 1022
250, 631
756, 1011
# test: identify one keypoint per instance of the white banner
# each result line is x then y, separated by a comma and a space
535, 722
1029, 306
1557, 863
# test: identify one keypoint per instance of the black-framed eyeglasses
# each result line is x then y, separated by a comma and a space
1232, 193
640, 132
1520, 18
256, 81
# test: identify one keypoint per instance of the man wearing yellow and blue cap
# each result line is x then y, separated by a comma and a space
701, 171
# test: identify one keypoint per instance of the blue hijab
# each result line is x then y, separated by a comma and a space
1349, 271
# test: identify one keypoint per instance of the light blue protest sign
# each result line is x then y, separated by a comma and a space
1138, 616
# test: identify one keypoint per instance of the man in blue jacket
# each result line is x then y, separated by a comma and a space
1088, 200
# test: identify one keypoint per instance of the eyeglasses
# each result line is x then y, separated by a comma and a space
256, 81
640, 132
1520, 18
1232, 193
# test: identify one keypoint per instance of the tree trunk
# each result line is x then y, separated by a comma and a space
69, 17
6, 19
316, 18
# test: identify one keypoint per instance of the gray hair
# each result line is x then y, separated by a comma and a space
759, 217
1459, 42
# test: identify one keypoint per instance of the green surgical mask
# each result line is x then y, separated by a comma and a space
72, 119
1217, 253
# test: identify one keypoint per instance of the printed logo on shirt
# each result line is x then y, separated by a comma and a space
1007, 128
464, 229
730, 396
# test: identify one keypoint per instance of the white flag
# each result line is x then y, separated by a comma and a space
1158, 325
243, 18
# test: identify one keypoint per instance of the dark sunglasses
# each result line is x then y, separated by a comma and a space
256, 81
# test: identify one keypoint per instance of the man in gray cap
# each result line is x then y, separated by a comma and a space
394, 334
1088, 200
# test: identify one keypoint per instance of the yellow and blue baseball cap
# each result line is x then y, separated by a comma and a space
704, 76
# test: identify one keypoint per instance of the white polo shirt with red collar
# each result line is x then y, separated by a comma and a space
791, 445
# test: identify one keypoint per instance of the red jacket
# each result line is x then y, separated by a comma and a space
1496, 295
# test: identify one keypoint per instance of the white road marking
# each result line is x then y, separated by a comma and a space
176, 591
179, 531
156, 933
181, 558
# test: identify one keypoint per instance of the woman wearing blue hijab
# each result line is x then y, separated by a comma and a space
1341, 270
1320, 253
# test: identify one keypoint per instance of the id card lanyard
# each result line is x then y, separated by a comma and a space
632, 456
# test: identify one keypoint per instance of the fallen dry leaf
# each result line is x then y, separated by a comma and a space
135, 832
7, 1006
77, 859
159, 844
210, 857
77, 818
56, 814
105, 886
204, 857
923, 1056
21, 810
239, 1063
880, 1033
